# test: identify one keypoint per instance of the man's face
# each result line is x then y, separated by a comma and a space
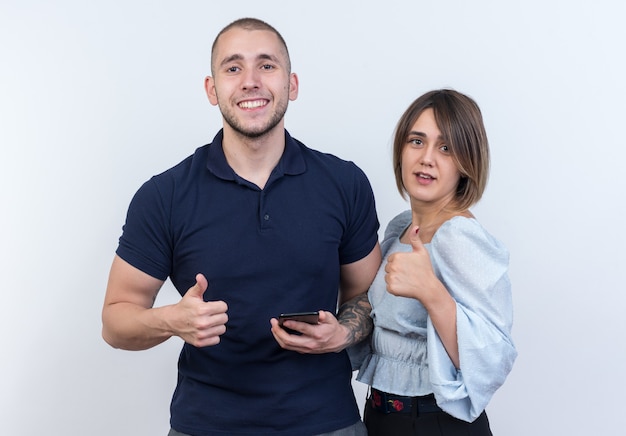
251, 83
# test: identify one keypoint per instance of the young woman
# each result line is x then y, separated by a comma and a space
441, 302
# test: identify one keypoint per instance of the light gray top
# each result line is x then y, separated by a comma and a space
405, 355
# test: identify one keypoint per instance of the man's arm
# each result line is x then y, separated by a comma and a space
353, 323
355, 308
354, 315
130, 322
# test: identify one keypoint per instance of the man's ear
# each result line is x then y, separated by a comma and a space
209, 87
293, 86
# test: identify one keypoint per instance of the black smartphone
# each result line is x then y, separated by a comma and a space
308, 317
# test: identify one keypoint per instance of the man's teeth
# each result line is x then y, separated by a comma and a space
252, 104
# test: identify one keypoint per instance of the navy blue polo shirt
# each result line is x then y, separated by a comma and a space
264, 252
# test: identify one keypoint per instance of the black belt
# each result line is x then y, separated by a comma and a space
390, 403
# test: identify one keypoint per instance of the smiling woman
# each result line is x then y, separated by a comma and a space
441, 301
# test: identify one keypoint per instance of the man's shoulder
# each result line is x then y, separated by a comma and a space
329, 162
319, 154
190, 163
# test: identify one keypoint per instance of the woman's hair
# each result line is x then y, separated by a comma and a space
251, 24
460, 121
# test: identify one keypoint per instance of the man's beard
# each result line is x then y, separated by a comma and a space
257, 132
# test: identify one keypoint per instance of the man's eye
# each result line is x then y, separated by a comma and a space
232, 69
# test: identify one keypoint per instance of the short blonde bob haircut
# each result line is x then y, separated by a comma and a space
460, 121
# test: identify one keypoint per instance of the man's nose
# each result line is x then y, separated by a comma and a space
251, 79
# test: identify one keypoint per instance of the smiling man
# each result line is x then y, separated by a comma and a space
250, 226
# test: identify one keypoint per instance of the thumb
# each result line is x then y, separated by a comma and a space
322, 315
199, 288
414, 237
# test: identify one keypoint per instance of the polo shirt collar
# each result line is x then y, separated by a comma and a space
291, 162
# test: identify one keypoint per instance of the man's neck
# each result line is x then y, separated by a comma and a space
254, 159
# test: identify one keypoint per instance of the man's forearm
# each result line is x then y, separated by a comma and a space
354, 314
130, 327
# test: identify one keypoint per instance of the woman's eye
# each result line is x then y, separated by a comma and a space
416, 141
445, 149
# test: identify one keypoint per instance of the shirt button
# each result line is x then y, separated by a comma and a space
266, 217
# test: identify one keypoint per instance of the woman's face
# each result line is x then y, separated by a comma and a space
429, 173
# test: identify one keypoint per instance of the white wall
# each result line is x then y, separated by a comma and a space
95, 97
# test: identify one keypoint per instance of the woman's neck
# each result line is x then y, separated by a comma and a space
429, 219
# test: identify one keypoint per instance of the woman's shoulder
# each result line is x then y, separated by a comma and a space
398, 224
463, 232
394, 229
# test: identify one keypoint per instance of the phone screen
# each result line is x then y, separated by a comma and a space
308, 317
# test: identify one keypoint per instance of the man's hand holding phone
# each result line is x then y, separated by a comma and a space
325, 336
307, 317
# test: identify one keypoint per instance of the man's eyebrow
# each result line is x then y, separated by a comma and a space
269, 57
231, 58
239, 57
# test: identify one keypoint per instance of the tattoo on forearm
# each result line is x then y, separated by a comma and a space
355, 315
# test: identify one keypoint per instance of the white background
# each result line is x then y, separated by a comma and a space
97, 96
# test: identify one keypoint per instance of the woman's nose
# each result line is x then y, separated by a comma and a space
427, 156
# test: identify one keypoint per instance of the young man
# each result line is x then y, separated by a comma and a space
253, 225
